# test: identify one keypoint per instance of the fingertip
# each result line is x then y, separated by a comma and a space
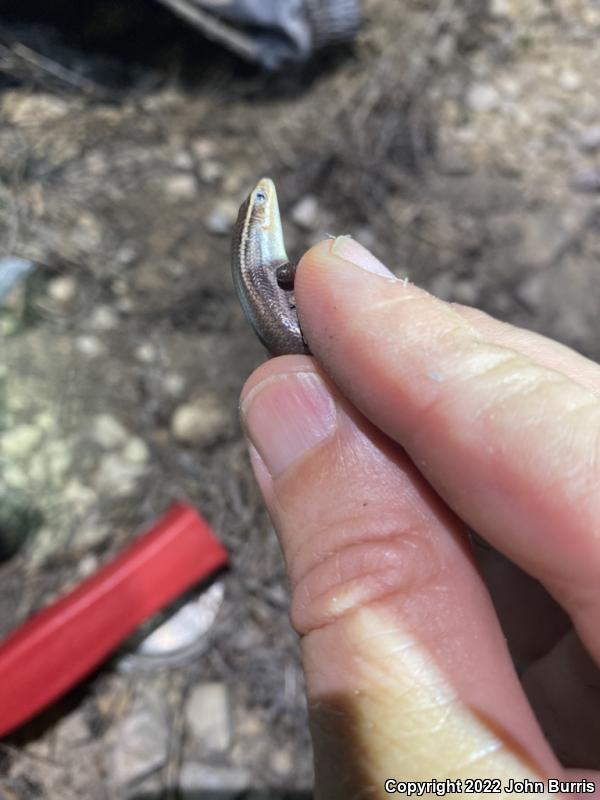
275, 367
340, 250
316, 254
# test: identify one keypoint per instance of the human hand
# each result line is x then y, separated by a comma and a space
419, 420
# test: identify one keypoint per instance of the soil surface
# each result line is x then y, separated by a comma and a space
459, 141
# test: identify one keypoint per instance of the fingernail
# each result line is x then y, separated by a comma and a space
286, 416
349, 249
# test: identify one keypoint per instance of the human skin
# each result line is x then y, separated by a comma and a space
416, 421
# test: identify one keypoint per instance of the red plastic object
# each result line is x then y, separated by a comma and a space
62, 643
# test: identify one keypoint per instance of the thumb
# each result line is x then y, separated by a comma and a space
407, 672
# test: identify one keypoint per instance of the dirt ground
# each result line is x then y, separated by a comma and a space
459, 141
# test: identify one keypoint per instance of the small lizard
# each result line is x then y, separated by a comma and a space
263, 275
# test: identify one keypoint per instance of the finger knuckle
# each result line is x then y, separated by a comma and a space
358, 564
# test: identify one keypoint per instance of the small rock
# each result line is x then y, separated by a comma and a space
96, 163
45, 543
589, 140
136, 451
78, 496
109, 432
203, 148
500, 8
306, 213
89, 346
126, 254
483, 97
176, 268
14, 477
62, 290
210, 171
180, 187
194, 777
33, 108
103, 318
250, 724
591, 16
45, 421
444, 48
587, 179
87, 565
20, 441
510, 86
234, 182
151, 278
281, 762
207, 714
9, 325
174, 384
146, 353
141, 746
118, 477
50, 463
569, 80
222, 218
87, 233
183, 160
201, 422
39, 749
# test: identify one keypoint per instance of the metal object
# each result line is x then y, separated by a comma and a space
181, 637
61, 644
262, 273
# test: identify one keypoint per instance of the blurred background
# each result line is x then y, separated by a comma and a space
458, 139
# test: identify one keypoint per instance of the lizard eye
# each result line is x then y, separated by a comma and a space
260, 196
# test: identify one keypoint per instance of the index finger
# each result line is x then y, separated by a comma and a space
510, 443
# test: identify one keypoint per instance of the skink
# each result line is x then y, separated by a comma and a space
263, 275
